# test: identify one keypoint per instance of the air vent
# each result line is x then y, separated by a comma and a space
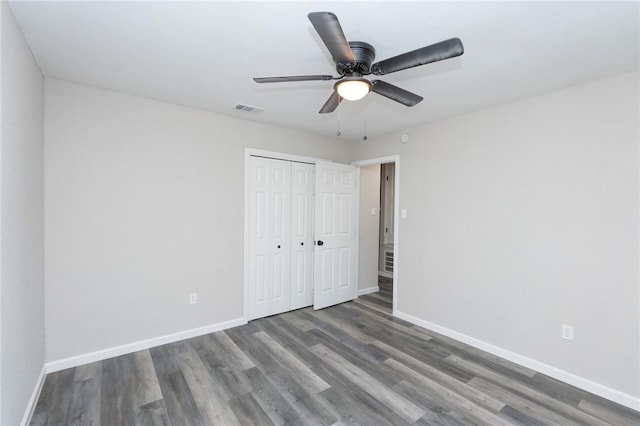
247, 108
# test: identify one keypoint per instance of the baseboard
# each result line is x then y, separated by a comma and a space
570, 378
31, 406
138, 346
368, 290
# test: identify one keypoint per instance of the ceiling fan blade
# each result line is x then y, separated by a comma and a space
292, 78
425, 55
331, 104
330, 31
395, 93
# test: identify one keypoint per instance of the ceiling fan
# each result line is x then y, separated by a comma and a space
354, 60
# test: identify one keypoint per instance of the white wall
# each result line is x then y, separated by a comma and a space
369, 227
144, 205
524, 217
21, 223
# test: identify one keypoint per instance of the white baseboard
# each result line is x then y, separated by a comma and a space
75, 361
31, 406
570, 378
368, 290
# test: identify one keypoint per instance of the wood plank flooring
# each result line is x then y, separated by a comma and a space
351, 364
382, 300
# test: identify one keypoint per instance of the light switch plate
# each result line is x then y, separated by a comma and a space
403, 213
373, 211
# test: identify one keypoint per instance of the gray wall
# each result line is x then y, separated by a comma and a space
21, 223
144, 205
524, 217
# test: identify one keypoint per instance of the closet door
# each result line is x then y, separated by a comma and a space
269, 237
336, 257
302, 228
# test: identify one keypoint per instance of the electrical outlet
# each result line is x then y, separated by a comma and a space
193, 298
567, 332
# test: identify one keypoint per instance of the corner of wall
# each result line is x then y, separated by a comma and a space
21, 224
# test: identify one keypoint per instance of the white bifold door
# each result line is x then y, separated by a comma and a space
302, 212
280, 236
287, 208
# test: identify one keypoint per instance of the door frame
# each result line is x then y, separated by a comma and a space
396, 218
248, 153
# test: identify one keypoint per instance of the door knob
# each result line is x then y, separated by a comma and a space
320, 242
278, 245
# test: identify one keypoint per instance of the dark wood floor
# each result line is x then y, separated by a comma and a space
348, 364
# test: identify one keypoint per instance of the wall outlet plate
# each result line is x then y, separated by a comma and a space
193, 298
567, 332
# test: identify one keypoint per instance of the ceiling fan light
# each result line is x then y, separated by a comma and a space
353, 89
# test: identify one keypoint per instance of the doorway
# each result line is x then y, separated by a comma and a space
378, 241
386, 262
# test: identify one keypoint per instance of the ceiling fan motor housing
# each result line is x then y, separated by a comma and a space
364, 54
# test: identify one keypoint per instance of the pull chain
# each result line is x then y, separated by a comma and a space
338, 132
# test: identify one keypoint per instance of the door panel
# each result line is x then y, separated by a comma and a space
336, 249
259, 236
280, 239
269, 237
302, 225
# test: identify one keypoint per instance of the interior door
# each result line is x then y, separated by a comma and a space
335, 257
270, 237
302, 228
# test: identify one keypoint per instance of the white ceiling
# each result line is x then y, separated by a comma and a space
204, 54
